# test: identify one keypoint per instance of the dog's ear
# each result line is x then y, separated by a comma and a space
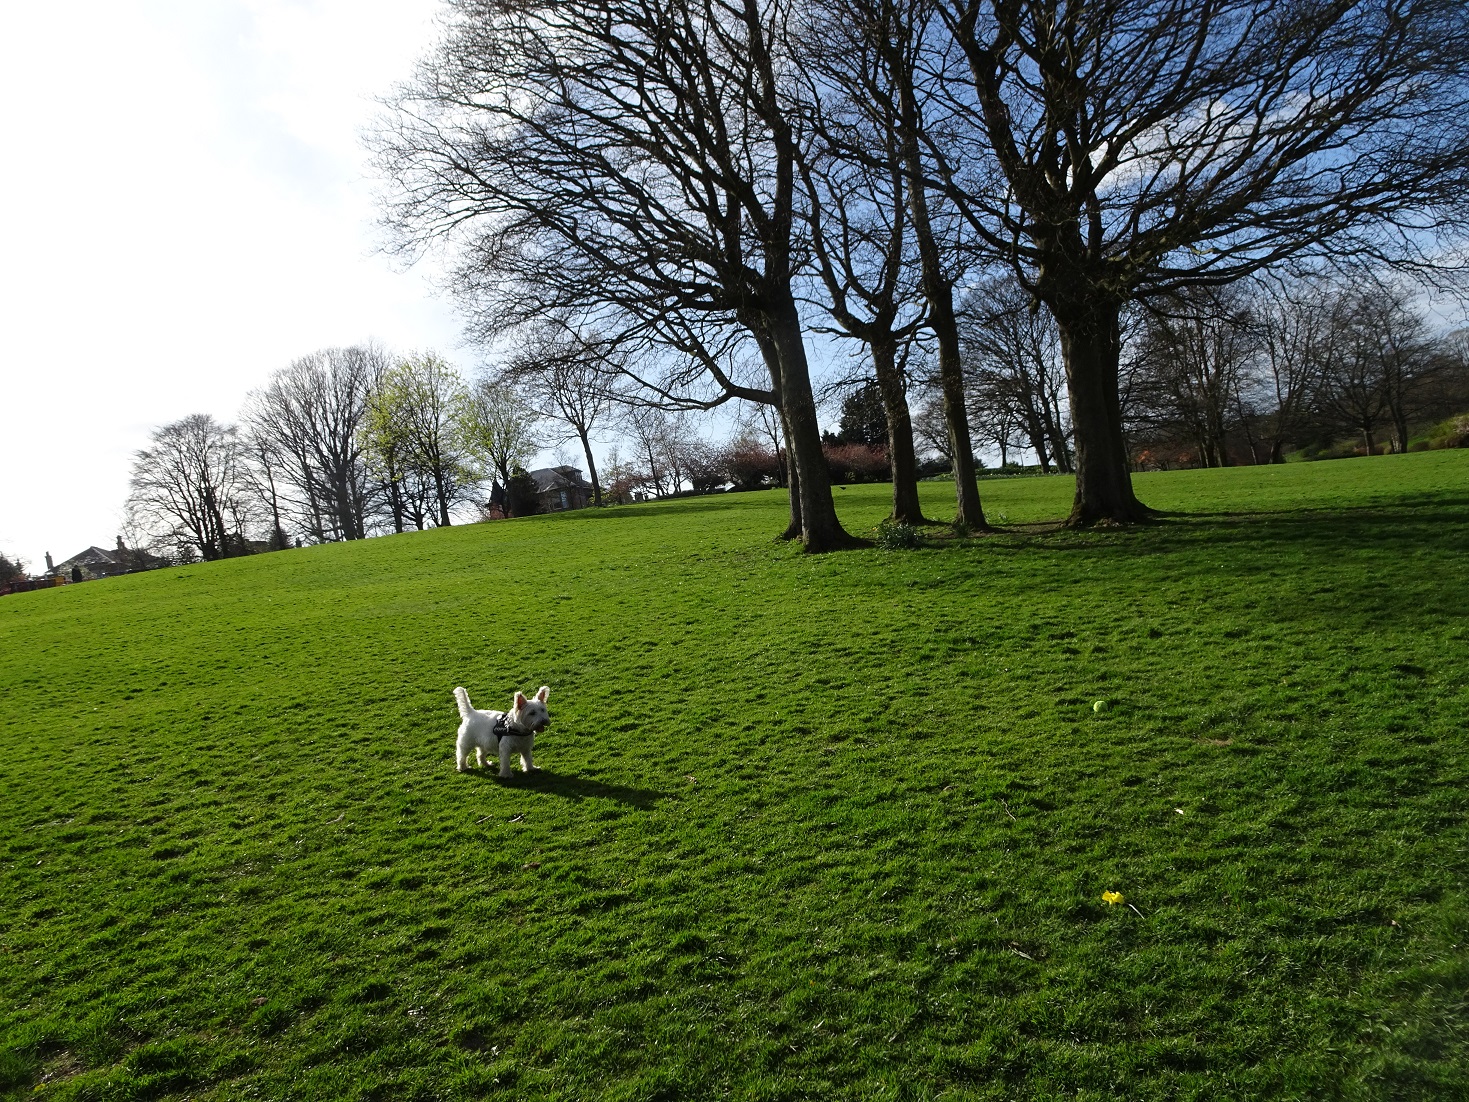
520, 701
545, 691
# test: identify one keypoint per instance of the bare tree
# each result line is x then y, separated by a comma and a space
1294, 325
499, 428
856, 206
930, 428
1408, 355
704, 465
576, 380
309, 420
632, 163
904, 42
1195, 356
1137, 147
995, 413
189, 489
1376, 363
1013, 371
649, 430
875, 64
623, 479
261, 472
758, 425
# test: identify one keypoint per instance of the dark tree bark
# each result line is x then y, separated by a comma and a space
812, 505
1091, 344
902, 456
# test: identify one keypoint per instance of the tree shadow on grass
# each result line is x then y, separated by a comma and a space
1358, 567
572, 787
1410, 503
1419, 522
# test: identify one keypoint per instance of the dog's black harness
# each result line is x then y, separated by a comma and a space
502, 727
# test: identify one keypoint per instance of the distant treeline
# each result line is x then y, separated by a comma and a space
1254, 372
351, 442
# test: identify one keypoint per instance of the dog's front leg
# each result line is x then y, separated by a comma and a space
504, 757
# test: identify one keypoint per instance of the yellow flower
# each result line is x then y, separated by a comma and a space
1111, 897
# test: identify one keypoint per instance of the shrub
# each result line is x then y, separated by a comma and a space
1453, 433
750, 466
893, 535
850, 463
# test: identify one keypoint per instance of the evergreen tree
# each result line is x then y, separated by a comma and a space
864, 421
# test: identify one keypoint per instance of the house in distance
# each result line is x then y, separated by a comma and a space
545, 490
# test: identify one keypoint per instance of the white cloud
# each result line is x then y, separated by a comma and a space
185, 210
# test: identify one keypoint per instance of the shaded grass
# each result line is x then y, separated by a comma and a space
809, 827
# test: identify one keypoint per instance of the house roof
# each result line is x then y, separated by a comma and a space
557, 478
92, 556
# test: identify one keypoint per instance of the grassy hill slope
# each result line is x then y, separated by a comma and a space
808, 827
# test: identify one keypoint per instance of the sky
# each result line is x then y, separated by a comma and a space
186, 208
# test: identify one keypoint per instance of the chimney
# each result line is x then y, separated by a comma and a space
50, 566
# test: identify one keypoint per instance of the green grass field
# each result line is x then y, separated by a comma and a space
832, 827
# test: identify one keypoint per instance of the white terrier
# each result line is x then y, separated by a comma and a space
500, 733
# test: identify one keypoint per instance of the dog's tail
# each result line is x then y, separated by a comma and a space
462, 697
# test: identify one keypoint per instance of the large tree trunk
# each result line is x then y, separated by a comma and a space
793, 495
1059, 449
810, 484
504, 470
791, 478
1035, 430
441, 494
938, 292
1399, 430
586, 449
969, 513
1090, 347
901, 456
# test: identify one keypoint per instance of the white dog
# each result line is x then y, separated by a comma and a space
500, 734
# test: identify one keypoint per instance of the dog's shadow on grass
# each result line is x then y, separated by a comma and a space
572, 787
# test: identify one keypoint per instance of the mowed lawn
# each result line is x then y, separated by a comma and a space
830, 827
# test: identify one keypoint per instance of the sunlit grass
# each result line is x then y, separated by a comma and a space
809, 827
